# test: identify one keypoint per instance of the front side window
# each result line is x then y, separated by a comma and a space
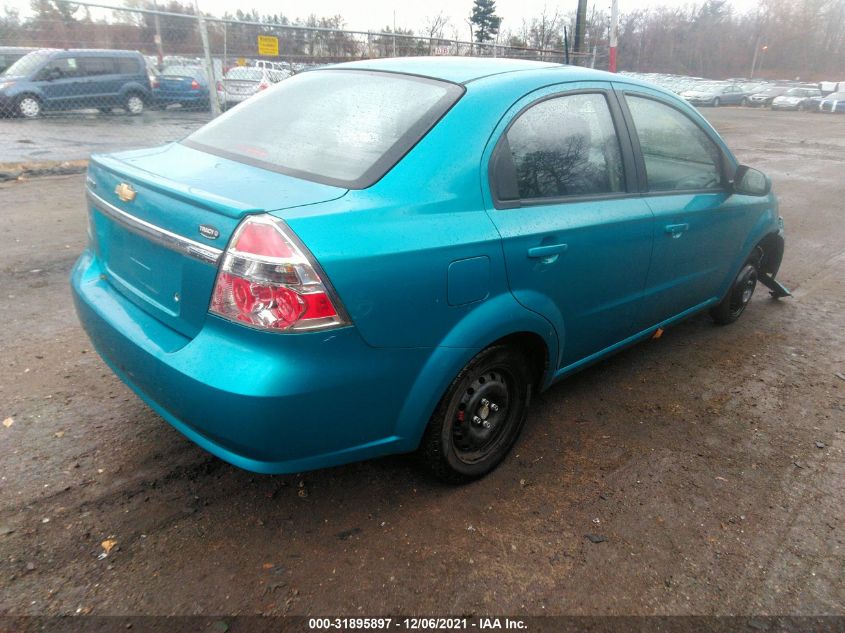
339, 127
64, 68
564, 146
678, 154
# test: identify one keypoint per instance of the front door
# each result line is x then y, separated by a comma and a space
699, 225
61, 82
577, 245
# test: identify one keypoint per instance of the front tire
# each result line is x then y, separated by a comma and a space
739, 296
29, 107
479, 419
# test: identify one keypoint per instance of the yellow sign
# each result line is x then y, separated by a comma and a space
268, 45
241, 61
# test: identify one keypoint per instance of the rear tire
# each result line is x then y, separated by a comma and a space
134, 103
28, 106
739, 296
479, 419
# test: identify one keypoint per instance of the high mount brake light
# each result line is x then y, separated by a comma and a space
267, 281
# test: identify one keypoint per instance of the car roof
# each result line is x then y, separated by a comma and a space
514, 75
88, 51
454, 69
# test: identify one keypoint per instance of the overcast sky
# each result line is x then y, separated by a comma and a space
376, 14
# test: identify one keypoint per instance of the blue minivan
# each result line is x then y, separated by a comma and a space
393, 256
52, 79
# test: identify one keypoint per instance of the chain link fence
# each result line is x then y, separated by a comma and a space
117, 78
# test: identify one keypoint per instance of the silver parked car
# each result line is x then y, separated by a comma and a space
241, 82
801, 98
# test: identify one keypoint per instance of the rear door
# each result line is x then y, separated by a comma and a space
99, 74
577, 239
699, 226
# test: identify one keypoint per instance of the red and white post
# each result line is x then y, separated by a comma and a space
614, 21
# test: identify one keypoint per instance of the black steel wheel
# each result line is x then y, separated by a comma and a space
739, 296
479, 418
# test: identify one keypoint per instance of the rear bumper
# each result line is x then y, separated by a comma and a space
265, 402
197, 96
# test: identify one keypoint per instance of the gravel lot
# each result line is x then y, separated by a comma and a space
711, 459
72, 136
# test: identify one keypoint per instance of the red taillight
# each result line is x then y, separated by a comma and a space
262, 239
267, 281
195, 85
263, 86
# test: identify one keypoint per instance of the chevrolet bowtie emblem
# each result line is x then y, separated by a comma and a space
125, 192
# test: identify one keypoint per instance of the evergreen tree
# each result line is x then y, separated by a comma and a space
485, 20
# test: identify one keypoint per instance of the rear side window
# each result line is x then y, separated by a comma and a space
678, 154
93, 66
128, 66
565, 146
339, 127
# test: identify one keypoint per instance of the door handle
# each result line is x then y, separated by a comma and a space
547, 250
675, 230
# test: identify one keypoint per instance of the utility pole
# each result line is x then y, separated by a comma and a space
209, 65
580, 25
158, 38
754, 58
565, 45
394, 33
614, 27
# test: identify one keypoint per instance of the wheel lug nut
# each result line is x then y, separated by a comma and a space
494, 407
484, 402
485, 424
476, 420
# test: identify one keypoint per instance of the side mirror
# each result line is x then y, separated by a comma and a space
751, 182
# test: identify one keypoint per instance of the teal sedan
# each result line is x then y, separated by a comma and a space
394, 256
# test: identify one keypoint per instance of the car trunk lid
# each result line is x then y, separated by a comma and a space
161, 218
240, 87
175, 83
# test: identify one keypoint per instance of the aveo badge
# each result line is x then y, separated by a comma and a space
208, 231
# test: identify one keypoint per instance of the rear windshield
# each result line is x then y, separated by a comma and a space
801, 92
182, 71
251, 74
338, 127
